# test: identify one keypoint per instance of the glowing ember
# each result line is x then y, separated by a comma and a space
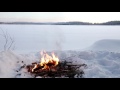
48, 61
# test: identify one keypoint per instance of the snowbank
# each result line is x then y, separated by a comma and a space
11, 62
106, 45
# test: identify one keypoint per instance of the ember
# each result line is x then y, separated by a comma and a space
50, 66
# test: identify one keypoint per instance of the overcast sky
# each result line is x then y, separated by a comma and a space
93, 17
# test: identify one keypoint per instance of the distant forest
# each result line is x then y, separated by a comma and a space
64, 23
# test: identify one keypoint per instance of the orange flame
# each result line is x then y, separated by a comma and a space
46, 59
34, 67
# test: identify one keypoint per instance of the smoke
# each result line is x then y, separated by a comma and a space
59, 40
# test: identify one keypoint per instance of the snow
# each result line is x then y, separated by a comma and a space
100, 64
106, 45
96, 46
33, 38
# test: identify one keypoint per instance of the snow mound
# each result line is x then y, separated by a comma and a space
10, 62
106, 45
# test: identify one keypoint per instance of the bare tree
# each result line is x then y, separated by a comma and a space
9, 41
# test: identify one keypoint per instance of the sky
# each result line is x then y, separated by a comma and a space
93, 17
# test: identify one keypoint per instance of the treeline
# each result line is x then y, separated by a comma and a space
20, 23
65, 23
87, 23
110, 23
73, 23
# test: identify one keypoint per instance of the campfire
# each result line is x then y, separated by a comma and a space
51, 66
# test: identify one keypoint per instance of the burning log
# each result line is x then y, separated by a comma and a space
62, 69
52, 67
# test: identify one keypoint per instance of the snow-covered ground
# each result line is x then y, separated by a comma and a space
96, 46
100, 64
106, 45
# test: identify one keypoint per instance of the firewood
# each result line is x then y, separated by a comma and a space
65, 68
34, 63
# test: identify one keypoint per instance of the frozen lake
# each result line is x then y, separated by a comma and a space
32, 38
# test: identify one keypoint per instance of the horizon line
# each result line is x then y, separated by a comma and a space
55, 21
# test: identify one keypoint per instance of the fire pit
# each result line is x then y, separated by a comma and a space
51, 66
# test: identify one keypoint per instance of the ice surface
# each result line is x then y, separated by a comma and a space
33, 38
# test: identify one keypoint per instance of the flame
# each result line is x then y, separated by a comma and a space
34, 67
47, 60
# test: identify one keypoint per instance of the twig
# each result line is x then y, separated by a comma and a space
8, 38
65, 68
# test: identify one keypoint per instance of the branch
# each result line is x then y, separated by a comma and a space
5, 35
8, 38
11, 43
